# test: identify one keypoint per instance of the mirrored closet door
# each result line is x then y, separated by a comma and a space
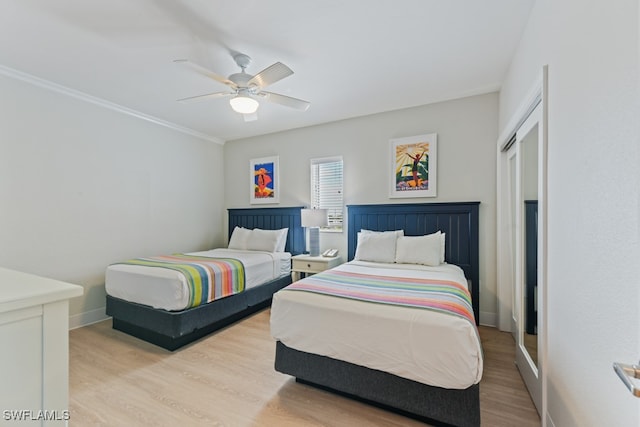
521, 237
525, 185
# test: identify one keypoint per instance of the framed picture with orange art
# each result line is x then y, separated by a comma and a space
414, 166
264, 179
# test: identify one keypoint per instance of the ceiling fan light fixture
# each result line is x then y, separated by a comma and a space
243, 104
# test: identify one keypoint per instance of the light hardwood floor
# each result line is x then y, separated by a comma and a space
227, 379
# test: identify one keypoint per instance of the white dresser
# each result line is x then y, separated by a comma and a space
34, 355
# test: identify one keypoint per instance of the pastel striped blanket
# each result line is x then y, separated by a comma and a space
444, 296
209, 279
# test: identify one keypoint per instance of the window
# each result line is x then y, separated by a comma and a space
326, 189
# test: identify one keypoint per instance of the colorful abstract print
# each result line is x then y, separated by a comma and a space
208, 279
438, 295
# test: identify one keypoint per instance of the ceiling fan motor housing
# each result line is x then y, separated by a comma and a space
241, 79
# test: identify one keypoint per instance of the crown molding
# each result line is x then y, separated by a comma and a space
45, 84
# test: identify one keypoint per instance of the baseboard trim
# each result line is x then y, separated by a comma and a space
87, 318
488, 319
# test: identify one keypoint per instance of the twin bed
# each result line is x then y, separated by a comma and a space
401, 353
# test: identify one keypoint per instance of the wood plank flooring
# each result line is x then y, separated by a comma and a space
227, 379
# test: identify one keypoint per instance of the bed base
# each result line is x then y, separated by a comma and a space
174, 329
433, 405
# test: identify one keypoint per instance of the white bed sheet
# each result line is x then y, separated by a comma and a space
168, 289
421, 345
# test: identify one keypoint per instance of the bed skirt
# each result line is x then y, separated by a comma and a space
174, 329
434, 405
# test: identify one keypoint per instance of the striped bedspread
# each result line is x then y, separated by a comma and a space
209, 279
443, 296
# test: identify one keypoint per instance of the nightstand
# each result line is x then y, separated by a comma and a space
311, 264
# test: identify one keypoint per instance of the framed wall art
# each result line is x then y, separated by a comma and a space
265, 187
414, 166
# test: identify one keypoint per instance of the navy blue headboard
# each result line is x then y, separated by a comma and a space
459, 220
272, 219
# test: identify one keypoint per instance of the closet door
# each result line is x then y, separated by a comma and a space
521, 238
528, 285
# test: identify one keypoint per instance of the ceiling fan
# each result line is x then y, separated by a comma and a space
245, 89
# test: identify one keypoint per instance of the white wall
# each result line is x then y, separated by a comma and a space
82, 186
467, 131
593, 205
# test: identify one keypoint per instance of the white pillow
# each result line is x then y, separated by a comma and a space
425, 250
397, 232
444, 239
263, 240
282, 240
239, 238
376, 247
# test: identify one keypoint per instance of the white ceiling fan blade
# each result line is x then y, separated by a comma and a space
206, 96
270, 75
250, 117
205, 72
286, 100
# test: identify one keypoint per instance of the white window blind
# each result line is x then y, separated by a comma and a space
326, 189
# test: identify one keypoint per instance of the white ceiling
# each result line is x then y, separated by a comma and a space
350, 57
